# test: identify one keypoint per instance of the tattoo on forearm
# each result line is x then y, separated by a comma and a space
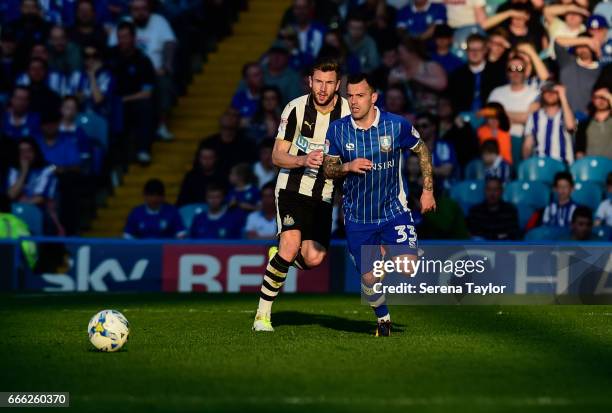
426, 167
332, 167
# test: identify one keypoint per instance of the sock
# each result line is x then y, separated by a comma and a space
378, 303
299, 262
274, 278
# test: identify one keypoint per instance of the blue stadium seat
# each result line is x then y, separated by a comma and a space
474, 170
541, 169
188, 212
95, 127
603, 233
545, 233
467, 194
31, 215
534, 194
592, 169
524, 213
587, 194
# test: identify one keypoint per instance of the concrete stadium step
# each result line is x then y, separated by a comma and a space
197, 114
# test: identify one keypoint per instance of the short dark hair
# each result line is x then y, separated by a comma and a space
582, 211
326, 65
247, 66
490, 146
127, 25
563, 176
360, 77
494, 179
245, 171
476, 37
216, 186
154, 187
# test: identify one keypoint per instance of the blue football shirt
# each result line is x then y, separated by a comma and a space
380, 194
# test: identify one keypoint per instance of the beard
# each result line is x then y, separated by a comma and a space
327, 101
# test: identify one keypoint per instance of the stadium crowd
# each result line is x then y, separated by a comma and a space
86, 87
512, 97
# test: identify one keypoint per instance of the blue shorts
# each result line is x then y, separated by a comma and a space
398, 235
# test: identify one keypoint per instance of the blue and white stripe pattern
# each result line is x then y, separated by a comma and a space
380, 194
550, 136
556, 215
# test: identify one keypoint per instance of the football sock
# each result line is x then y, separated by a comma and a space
377, 301
299, 262
274, 278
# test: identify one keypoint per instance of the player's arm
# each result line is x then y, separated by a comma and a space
334, 168
283, 159
428, 203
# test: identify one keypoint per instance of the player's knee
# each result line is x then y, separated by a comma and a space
288, 248
314, 258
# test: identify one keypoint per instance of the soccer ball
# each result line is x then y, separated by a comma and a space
108, 330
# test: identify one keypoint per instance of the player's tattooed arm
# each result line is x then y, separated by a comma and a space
426, 167
428, 203
334, 168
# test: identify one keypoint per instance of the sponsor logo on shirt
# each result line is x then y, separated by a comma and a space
350, 146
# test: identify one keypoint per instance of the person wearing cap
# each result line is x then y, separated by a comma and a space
420, 18
598, 27
578, 71
549, 130
443, 41
277, 72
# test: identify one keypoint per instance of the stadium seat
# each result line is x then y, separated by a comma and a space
545, 233
467, 194
188, 212
534, 194
475, 170
524, 213
592, 169
602, 233
31, 215
587, 194
95, 127
541, 169
517, 147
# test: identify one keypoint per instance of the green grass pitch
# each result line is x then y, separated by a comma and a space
197, 353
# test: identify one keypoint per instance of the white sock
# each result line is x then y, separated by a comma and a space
265, 307
385, 318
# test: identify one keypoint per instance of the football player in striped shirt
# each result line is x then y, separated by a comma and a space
303, 194
367, 148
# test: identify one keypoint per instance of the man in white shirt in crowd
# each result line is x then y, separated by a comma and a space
517, 98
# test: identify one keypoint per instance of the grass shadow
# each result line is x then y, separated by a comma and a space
349, 325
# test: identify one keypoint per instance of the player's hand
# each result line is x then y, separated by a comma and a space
360, 165
314, 159
428, 202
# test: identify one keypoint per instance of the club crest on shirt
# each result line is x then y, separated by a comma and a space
385, 143
288, 221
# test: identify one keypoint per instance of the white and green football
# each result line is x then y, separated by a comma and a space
108, 330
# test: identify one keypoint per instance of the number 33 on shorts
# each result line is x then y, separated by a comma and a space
406, 233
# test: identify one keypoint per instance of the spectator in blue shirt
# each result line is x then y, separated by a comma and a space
69, 130
220, 221
310, 33
442, 53
94, 85
559, 213
58, 150
244, 193
8, 64
32, 180
444, 159
420, 17
494, 164
17, 121
155, 218
246, 100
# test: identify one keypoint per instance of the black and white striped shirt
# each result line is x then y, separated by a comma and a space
305, 127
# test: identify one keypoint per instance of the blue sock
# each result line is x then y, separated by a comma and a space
381, 311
